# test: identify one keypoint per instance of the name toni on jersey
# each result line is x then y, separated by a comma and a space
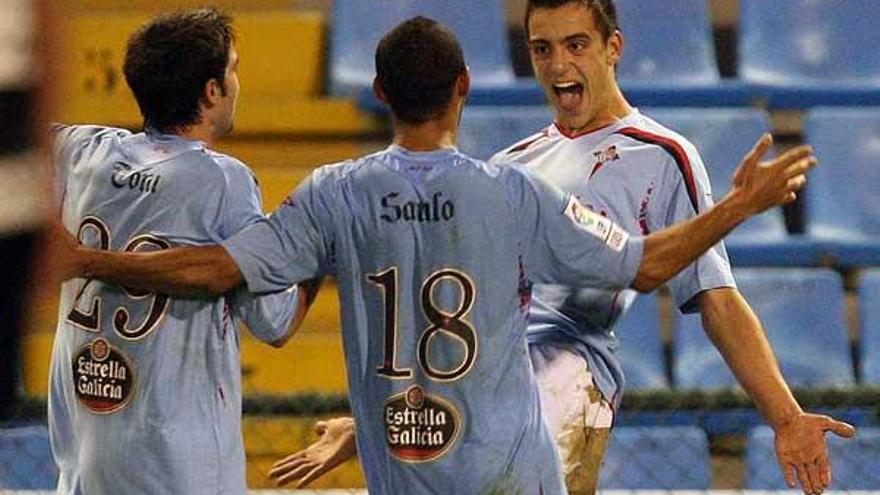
436, 210
124, 177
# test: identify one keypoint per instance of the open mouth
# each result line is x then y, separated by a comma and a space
570, 94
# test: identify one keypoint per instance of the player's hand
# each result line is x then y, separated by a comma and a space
336, 445
765, 184
802, 452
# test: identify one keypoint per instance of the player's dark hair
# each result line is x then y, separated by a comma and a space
604, 12
169, 60
417, 64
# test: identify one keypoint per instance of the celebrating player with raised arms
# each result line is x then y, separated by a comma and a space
434, 253
145, 388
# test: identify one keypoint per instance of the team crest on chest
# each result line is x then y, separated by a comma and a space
609, 154
420, 427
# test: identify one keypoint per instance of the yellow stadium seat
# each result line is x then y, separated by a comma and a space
280, 71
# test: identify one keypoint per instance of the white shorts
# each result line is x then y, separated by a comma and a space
577, 415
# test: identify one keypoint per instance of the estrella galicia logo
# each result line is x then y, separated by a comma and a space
104, 378
143, 180
420, 427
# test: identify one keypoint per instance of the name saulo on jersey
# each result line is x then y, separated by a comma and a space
436, 210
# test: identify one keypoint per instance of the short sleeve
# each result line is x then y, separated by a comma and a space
688, 194
69, 141
268, 316
242, 203
288, 246
566, 243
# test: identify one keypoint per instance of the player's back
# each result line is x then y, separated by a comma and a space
145, 388
428, 256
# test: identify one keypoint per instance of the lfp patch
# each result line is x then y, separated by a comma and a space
103, 378
420, 427
601, 227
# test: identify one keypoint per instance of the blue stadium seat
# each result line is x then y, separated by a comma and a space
854, 461
869, 319
485, 130
842, 200
641, 345
804, 53
26, 461
723, 136
657, 457
672, 63
481, 27
803, 314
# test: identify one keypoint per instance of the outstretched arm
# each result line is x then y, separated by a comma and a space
188, 271
757, 186
800, 437
336, 445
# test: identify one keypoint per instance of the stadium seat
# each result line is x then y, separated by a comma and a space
641, 345
854, 461
842, 201
657, 457
804, 53
869, 319
26, 461
723, 136
672, 63
481, 27
802, 311
275, 98
485, 130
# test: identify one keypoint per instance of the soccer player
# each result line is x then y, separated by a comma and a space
644, 177
146, 389
434, 253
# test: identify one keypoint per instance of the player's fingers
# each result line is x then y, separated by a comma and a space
804, 478
789, 475
281, 469
295, 455
760, 148
752, 158
824, 465
813, 473
293, 474
793, 155
796, 183
840, 428
789, 197
311, 476
801, 166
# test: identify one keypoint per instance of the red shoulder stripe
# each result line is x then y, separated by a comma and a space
673, 148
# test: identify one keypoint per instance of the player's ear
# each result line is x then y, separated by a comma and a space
615, 47
212, 92
379, 92
463, 83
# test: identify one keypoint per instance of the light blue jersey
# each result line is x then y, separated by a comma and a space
145, 391
434, 254
645, 178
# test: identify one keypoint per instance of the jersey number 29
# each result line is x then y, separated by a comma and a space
91, 320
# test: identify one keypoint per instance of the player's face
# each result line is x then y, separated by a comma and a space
574, 65
228, 101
